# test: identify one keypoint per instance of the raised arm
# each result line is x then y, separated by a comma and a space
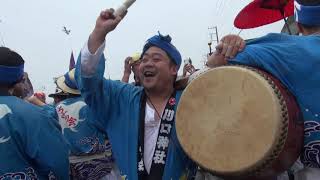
105, 23
91, 53
127, 70
102, 96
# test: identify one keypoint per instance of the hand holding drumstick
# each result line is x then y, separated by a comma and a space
107, 21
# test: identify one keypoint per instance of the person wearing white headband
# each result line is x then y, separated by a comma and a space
295, 61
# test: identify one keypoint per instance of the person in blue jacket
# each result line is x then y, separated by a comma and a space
31, 143
295, 61
90, 156
139, 120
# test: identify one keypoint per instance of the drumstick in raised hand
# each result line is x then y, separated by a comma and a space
124, 7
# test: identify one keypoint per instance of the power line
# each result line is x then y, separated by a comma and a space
232, 29
216, 7
221, 8
218, 12
218, 4
2, 39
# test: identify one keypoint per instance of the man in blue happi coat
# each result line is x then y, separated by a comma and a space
31, 143
139, 120
295, 61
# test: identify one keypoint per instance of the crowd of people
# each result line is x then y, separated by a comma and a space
99, 128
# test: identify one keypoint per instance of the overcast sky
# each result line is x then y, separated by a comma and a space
33, 28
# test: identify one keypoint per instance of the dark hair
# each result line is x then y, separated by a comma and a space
9, 57
66, 96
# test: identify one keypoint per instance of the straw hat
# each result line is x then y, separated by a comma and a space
67, 83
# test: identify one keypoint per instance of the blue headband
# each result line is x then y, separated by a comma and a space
70, 83
307, 15
164, 43
9, 74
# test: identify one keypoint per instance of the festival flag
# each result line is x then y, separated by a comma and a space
72, 63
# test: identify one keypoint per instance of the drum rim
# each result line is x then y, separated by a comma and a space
271, 154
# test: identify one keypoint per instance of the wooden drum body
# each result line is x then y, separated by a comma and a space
239, 122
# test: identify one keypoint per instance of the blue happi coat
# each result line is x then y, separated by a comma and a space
83, 136
118, 107
31, 144
295, 61
75, 119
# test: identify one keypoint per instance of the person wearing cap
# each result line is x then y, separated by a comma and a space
90, 156
295, 61
132, 63
31, 144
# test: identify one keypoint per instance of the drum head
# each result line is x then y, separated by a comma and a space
228, 120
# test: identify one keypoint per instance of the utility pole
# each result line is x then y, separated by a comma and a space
213, 37
213, 31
